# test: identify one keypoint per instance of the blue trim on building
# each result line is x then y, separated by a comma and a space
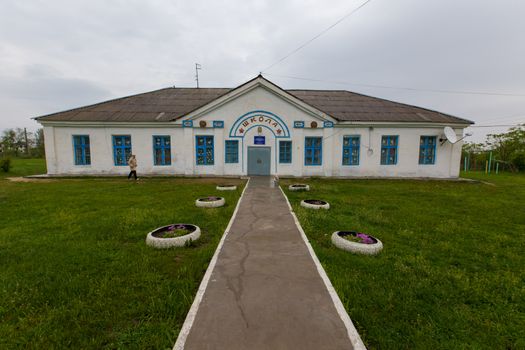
427, 150
204, 150
219, 124
162, 145
285, 152
249, 115
352, 146
328, 124
311, 145
187, 123
389, 145
121, 149
81, 150
298, 124
231, 151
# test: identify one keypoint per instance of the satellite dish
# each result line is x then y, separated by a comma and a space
450, 134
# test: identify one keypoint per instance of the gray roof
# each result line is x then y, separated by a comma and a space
172, 103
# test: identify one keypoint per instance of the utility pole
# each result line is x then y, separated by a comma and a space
197, 68
25, 136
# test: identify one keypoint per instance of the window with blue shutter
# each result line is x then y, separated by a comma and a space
204, 150
161, 150
427, 150
81, 150
389, 150
351, 146
285, 152
232, 151
313, 151
121, 149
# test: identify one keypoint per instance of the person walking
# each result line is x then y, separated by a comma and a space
132, 162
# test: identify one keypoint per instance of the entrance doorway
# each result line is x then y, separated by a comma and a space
259, 159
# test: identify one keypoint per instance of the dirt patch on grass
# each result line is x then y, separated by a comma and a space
25, 179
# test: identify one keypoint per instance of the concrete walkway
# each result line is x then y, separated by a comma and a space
265, 291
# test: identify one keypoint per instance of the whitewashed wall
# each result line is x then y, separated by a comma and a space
60, 158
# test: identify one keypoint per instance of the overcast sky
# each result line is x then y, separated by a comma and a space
58, 54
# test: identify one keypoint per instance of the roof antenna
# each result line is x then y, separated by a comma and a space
197, 68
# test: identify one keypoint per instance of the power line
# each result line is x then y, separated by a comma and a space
317, 36
442, 91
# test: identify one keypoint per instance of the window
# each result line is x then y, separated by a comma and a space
285, 152
121, 149
351, 150
161, 150
313, 151
82, 150
204, 150
427, 150
389, 150
232, 151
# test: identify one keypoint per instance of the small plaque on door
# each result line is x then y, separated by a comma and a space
259, 140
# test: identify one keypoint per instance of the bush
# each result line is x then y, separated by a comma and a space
518, 160
5, 164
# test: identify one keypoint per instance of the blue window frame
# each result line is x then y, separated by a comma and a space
427, 150
285, 152
351, 145
121, 149
231, 154
389, 150
81, 150
161, 150
313, 150
204, 150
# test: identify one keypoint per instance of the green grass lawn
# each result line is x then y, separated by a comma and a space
24, 167
452, 272
76, 272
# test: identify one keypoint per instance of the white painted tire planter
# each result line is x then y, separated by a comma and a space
299, 187
226, 187
355, 247
162, 243
210, 202
310, 204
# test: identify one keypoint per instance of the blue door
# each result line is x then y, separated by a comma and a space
259, 160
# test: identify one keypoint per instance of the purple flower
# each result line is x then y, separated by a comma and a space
366, 239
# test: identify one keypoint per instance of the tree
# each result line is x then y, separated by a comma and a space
508, 148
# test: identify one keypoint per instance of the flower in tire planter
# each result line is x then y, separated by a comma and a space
299, 187
315, 204
210, 202
226, 187
357, 242
176, 235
